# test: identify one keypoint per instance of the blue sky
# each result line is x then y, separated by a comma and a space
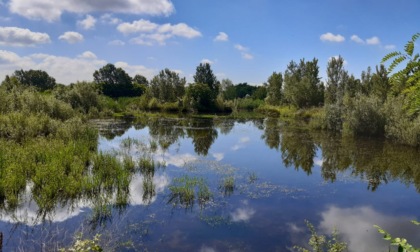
244, 40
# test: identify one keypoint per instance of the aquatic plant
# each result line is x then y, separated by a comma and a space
184, 189
228, 185
321, 243
401, 243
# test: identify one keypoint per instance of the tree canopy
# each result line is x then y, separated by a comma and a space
115, 82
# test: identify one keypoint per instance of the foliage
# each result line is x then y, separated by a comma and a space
320, 243
402, 243
398, 126
198, 97
274, 89
336, 81
167, 86
407, 80
115, 82
204, 74
34, 78
302, 86
85, 245
185, 188
365, 116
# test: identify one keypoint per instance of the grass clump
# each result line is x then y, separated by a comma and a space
228, 185
186, 189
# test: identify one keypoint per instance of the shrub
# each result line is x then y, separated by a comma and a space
365, 116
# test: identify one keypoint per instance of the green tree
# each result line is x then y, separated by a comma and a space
336, 80
274, 92
115, 82
302, 85
198, 97
35, 78
380, 83
167, 86
204, 74
140, 79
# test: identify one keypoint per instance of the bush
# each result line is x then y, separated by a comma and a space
333, 117
365, 116
399, 126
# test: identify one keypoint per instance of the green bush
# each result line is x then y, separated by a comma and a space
365, 116
399, 126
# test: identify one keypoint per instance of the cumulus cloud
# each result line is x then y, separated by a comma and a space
357, 39
71, 37
332, 37
241, 48
132, 70
15, 36
116, 42
152, 33
65, 70
87, 23
373, 41
51, 10
221, 37
87, 55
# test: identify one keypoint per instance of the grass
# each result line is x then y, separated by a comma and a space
185, 190
228, 185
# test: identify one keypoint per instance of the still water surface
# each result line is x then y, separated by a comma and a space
282, 175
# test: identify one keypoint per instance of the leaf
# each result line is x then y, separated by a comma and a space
389, 56
409, 48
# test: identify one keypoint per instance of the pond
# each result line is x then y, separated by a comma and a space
231, 185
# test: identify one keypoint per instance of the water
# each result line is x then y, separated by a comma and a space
282, 175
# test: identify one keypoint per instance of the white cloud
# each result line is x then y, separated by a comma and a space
137, 26
109, 19
152, 33
116, 42
390, 47
71, 37
132, 70
51, 10
244, 52
241, 143
15, 36
241, 48
332, 38
204, 61
221, 37
356, 226
218, 156
247, 56
87, 23
357, 39
88, 55
242, 214
373, 41
64, 69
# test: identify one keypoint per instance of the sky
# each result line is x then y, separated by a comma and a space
243, 40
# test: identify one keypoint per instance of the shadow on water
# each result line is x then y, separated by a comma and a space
144, 186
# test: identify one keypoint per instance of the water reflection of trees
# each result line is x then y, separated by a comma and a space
376, 161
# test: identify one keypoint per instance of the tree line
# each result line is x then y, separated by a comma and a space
379, 102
